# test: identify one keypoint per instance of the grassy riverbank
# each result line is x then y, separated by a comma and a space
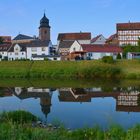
18, 126
129, 69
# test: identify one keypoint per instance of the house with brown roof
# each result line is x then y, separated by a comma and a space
99, 51
20, 38
128, 33
6, 39
70, 49
82, 37
100, 39
69, 44
113, 39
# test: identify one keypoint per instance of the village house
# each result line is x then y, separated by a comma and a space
69, 44
20, 38
99, 51
128, 33
100, 39
113, 40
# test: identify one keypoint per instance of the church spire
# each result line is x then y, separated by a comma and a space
44, 28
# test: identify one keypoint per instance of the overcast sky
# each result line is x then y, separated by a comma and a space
95, 16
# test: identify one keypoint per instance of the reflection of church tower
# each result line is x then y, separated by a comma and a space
45, 103
44, 29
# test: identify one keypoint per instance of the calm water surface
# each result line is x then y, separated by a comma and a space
76, 107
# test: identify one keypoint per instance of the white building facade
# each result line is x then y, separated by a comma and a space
17, 52
128, 33
99, 51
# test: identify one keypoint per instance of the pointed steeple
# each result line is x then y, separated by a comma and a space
44, 28
44, 22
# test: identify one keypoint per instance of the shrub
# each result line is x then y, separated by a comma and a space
119, 56
18, 116
108, 59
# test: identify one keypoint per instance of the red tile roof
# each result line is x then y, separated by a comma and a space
111, 37
101, 48
128, 26
4, 47
74, 36
7, 39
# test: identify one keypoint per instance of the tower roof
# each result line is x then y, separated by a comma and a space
44, 22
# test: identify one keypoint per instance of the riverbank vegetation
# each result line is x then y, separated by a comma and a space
13, 129
129, 69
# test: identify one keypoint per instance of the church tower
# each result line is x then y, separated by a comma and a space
44, 29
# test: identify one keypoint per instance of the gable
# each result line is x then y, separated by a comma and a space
101, 39
75, 47
17, 48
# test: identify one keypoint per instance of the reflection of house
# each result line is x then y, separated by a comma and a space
83, 95
129, 102
5, 92
68, 95
100, 39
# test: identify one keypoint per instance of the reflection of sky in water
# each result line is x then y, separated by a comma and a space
100, 111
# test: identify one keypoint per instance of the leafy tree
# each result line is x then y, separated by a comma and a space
130, 48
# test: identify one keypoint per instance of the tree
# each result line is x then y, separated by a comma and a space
119, 56
139, 41
1, 40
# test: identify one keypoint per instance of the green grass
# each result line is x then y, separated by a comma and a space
12, 131
129, 69
17, 125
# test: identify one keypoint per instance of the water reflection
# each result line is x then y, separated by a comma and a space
77, 106
127, 99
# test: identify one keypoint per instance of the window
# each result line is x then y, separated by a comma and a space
16, 53
34, 49
45, 32
43, 49
74, 49
22, 53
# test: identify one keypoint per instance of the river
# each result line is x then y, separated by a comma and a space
78, 106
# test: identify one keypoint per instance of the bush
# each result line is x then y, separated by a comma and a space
119, 56
18, 117
108, 59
